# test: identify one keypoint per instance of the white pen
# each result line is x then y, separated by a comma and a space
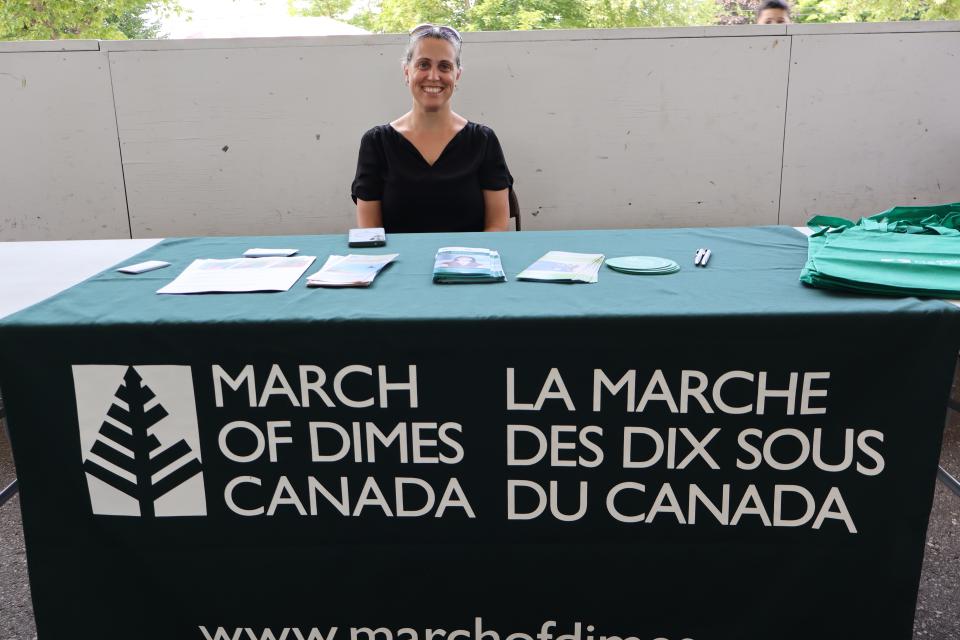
705, 258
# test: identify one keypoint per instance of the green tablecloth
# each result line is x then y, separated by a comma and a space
195, 465
752, 271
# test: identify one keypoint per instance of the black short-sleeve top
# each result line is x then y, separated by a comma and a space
416, 196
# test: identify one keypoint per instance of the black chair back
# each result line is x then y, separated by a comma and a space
514, 207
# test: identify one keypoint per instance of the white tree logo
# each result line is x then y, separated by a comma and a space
139, 440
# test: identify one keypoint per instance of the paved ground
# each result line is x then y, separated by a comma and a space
938, 603
16, 611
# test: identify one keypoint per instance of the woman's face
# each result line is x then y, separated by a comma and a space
432, 73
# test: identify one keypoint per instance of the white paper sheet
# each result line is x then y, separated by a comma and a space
238, 275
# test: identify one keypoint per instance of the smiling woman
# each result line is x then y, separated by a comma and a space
432, 169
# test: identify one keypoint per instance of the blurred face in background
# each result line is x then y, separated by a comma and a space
773, 16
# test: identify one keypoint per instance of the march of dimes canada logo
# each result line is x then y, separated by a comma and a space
139, 440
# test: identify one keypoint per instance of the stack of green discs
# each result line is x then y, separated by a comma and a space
643, 265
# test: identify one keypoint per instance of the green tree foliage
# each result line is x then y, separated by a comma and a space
737, 11
744, 11
499, 15
328, 8
121, 19
650, 13
875, 10
397, 16
136, 26
92, 19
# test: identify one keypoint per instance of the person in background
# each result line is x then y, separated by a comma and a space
432, 169
773, 12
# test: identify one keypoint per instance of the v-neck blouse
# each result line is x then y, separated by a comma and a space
416, 196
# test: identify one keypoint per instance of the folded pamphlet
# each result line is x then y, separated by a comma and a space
561, 266
349, 270
460, 265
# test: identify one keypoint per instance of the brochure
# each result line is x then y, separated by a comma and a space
350, 270
562, 266
467, 264
239, 275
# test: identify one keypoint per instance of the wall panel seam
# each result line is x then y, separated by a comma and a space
783, 139
116, 124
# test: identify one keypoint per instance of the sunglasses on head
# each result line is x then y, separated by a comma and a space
441, 29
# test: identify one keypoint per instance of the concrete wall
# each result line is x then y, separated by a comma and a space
873, 121
623, 128
60, 172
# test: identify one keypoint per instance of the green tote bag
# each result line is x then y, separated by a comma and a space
902, 251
